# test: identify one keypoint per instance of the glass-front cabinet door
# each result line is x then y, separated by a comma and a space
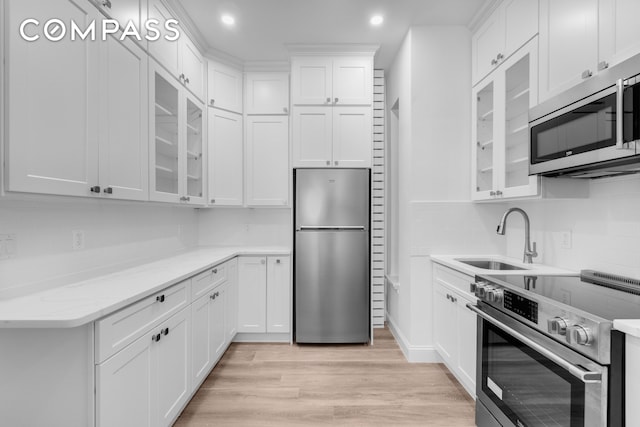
194, 190
177, 141
165, 138
500, 150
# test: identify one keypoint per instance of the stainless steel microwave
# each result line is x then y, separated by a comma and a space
592, 130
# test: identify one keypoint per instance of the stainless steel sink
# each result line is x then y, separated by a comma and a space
489, 264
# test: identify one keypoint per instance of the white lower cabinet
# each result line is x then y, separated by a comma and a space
454, 325
148, 382
264, 294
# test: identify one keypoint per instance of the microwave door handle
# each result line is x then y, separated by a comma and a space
619, 114
581, 374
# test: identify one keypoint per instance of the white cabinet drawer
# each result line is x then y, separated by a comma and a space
454, 279
118, 330
207, 280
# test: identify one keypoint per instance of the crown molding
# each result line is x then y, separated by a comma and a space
482, 14
187, 25
350, 49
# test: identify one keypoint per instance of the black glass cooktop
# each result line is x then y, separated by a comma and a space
600, 300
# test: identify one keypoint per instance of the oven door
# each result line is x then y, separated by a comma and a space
526, 379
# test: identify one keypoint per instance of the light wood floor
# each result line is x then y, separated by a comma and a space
304, 385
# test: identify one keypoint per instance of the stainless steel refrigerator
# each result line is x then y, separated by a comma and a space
332, 267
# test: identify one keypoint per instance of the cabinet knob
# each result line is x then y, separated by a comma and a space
500, 57
181, 77
498, 193
278, 261
212, 101
328, 100
165, 331
106, 3
214, 271
186, 80
213, 200
185, 198
586, 74
156, 337
262, 261
336, 100
285, 109
160, 298
328, 163
108, 190
603, 65
335, 163
95, 189
492, 193
212, 296
494, 61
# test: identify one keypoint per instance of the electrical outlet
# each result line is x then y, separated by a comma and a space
77, 239
8, 244
565, 239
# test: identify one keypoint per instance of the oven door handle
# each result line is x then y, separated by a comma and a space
581, 374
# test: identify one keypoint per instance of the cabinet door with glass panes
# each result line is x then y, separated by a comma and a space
500, 133
176, 134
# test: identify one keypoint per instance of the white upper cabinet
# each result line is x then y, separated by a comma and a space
500, 143
266, 93
176, 134
180, 57
509, 27
312, 136
225, 87
88, 101
166, 52
332, 81
192, 67
568, 44
619, 31
225, 158
124, 115
267, 161
352, 136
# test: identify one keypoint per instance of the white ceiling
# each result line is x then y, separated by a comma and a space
264, 27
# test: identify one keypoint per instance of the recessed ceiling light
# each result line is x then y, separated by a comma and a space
376, 20
228, 19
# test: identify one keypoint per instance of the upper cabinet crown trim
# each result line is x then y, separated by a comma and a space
347, 49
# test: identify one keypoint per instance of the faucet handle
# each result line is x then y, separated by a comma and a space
532, 253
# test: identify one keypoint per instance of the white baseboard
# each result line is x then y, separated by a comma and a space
413, 353
260, 337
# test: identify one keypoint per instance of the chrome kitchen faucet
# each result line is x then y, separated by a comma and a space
529, 253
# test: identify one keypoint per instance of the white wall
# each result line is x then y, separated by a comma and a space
605, 228
245, 227
436, 216
116, 234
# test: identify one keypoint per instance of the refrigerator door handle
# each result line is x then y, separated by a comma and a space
332, 227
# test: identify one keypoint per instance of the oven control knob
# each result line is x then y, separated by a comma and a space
494, 295
481, 289
557, 326
578, 334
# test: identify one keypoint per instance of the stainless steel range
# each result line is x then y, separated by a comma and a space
547, 354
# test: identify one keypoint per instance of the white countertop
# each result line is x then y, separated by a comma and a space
83, 302
628, 326
528, 269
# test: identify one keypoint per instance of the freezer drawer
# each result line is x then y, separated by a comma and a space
332, 197
332, 286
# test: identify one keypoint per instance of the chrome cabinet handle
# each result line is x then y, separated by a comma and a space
494, 61
328, 99
212, 101
214, 271
492, 193
619, 114
186, 80
95, 189
328, 163
500, 57
108, 190
160, 298
586, 74
603, 65
336, 163
336, 100
581, 374
106, 3
165, 331
185, 198
156, 337
498, 193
